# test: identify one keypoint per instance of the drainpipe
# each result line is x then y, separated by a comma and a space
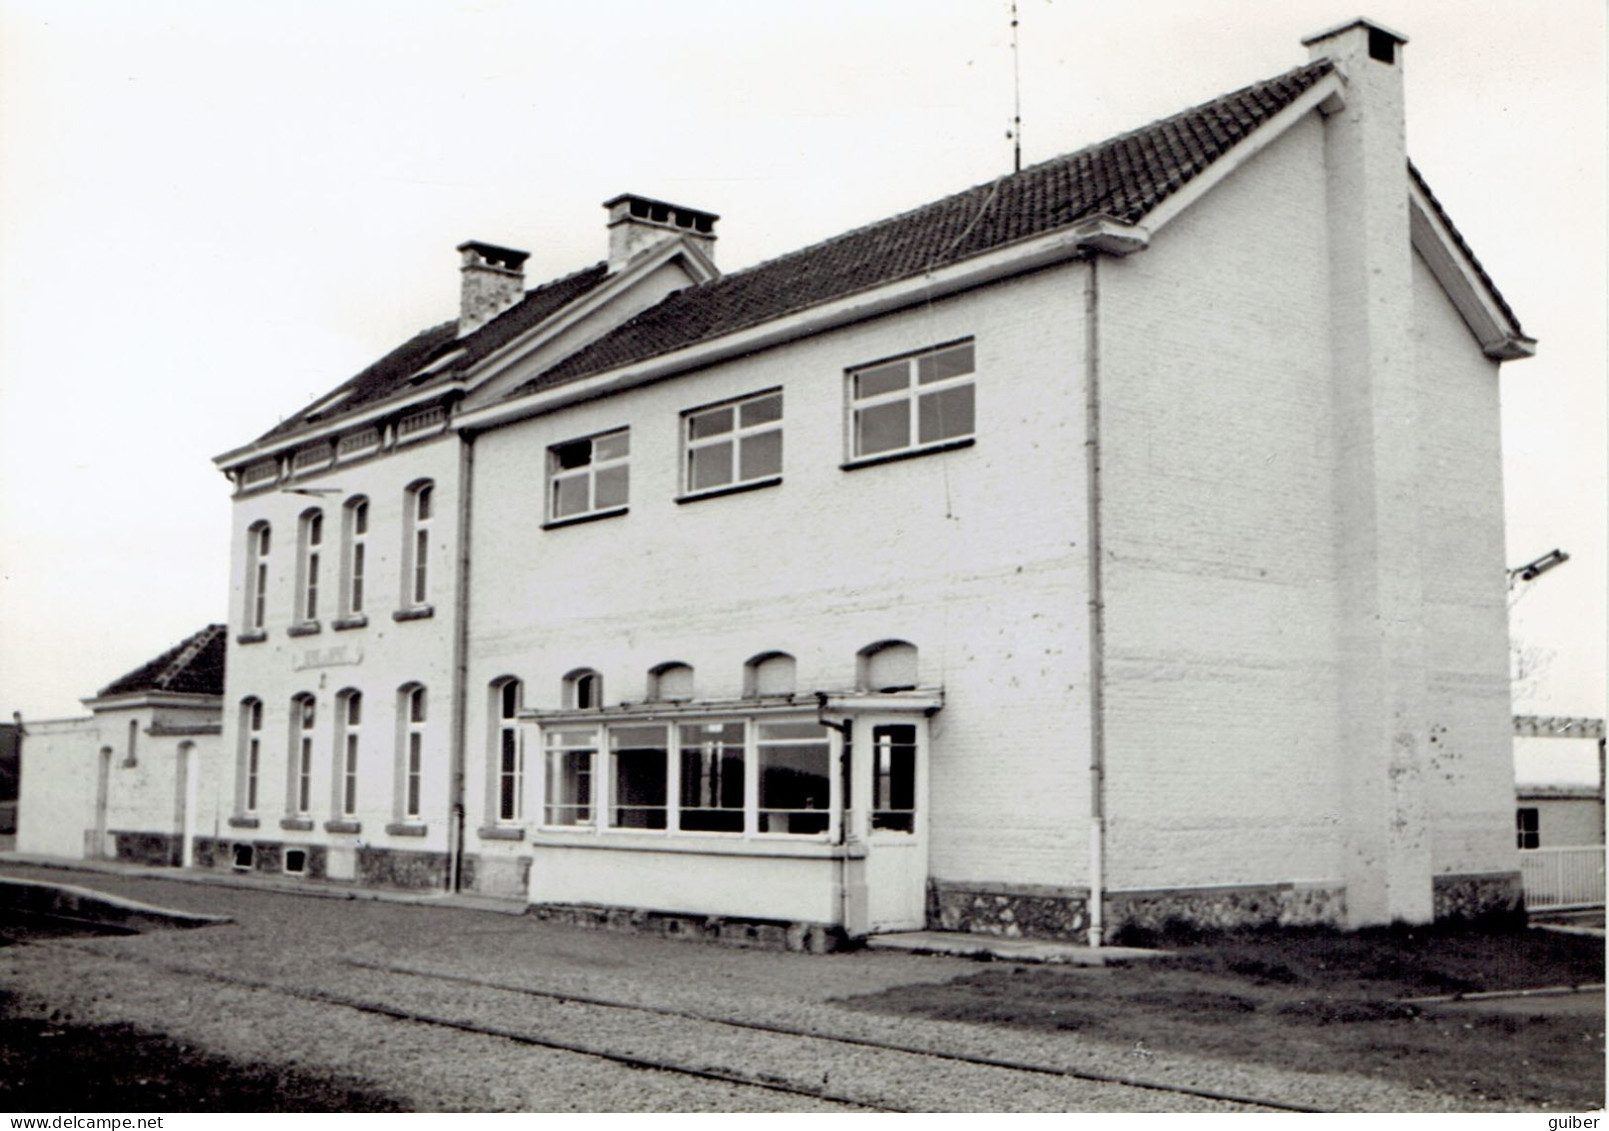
846, 729
455, 830
1092, 484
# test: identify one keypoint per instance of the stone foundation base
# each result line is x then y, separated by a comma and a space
375, 867
812, 938
1479, 896
1222, 908
502, 877
163, 849
1014, 912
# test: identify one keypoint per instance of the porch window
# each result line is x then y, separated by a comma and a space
794, 775
571, 755
712, 757
638, 757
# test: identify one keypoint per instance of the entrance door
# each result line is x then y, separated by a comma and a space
890, 756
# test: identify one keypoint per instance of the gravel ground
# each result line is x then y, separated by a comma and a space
310, 945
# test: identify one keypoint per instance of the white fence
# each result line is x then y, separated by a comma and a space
1562, 877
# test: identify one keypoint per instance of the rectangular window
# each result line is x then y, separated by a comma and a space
570, 760
912, 403
712, 757
510, 755
303, 711
734, 443
793, 764
414, 755
638, 757
894, 778
1528, 828
589, 476
312, 550
357, 532
257, 541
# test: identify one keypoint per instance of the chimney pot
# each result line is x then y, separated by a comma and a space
637, 223
493, 281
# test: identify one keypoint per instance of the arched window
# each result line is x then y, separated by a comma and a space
310, 552
583, 690
349, 716
670, 683
411, 777
889, 665
251, 753
508, 755
354, 554
303, 716
420, 506
770, 673
258, 541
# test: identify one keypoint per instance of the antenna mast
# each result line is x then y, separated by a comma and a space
1016, 94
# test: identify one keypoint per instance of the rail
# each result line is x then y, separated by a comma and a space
1560, 878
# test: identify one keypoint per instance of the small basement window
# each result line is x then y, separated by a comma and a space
295, 861
245, 857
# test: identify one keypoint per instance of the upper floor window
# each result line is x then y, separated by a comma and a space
311, 551
912, 403
887, 666
771, 673
733, 444
354, 554
589, 476
416, 551
670, 682
258, 541
510, 757
583, 689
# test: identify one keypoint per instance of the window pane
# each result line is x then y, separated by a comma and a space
354, 709
360, 518
577, 453
883, 428
894, 778
637, 765
613, 446
953, 362
570, 496
712, 777
569, 785
422, 504
762, 455
883, 379
794, 790
945, 414
711, 423
612, 486
710, 466
761, 410
510, 699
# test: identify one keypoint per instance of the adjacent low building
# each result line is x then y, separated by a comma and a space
1115, 541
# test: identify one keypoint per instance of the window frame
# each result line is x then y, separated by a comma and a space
309, 554
595, 738
507, 763
413, 717
420, 509
912, 394
251, 754
735, 437
303, 722
349, 724
1527, 830
354, 560
589, 472
259, 544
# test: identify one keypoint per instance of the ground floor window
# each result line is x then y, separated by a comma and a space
706, 776
1528, 828
894, 778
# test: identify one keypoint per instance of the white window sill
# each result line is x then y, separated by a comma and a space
590, 516
417, 612
729, 489
908, 453
817, 846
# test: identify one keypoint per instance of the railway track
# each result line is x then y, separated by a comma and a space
841, 1069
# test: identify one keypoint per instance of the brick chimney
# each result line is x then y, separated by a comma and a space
493, 281
637, 223
1384, 679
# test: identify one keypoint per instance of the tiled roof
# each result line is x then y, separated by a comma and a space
1123, 178
1458, 237
391, 374
195, 665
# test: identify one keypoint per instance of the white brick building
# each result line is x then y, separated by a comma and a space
1117, 540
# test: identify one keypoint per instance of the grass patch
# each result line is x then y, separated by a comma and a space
1323, 1001
57, 1064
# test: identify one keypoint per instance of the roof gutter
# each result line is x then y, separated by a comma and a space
1097, 233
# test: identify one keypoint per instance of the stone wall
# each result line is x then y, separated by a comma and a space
1222, 908
1478, 897
1014, 912
497, 876
394, 868
813, 938
148, 848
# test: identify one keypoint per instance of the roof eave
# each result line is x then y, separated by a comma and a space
1092, 235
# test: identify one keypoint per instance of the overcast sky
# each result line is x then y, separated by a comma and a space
211, 213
